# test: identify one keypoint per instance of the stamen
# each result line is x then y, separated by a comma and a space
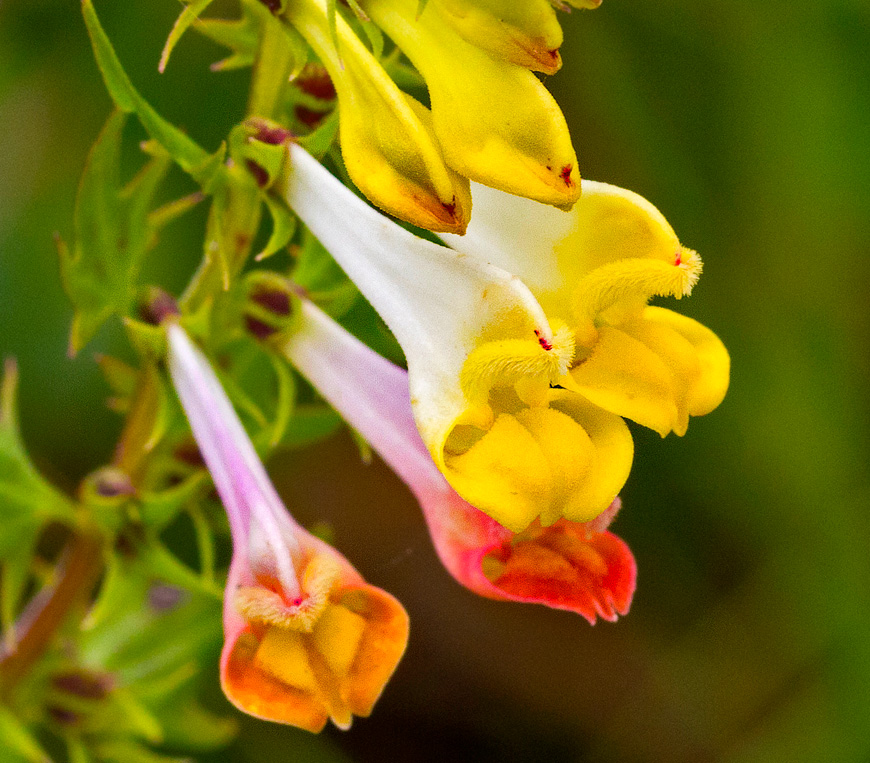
633, 279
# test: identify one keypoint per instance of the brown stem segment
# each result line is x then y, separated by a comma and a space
47, 612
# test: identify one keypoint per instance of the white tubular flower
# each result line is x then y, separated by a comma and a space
488, 372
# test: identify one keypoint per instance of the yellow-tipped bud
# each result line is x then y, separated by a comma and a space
495, 121
526, 33
387, 139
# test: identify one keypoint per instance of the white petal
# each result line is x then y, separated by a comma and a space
437, 302
550, 250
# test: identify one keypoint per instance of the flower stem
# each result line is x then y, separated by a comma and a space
47, 612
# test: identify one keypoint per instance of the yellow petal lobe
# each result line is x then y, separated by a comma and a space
625, 377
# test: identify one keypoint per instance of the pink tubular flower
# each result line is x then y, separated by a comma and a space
569, 565
305, 637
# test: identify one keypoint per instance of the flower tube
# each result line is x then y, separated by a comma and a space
569, 565
305, 637
487, 369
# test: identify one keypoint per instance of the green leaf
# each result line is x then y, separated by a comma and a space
311, 423
159, 508
325, 282
14, 576
188, 725
189, 15
129, 751
240, 36
19, 746
112, 234
26, 499
184, 151
286, 400
319, 141
283, 227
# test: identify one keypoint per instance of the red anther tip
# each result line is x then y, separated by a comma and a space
565, 174
542, 341
679, 259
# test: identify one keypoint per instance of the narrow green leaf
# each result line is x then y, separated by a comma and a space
159, 508
26, 499
319, 141
162, 216
375, 36
283, 227
15, 571
189, 725
191, 157
331, 12
188, 16
286, 399
112, 234
204, 541
19, 745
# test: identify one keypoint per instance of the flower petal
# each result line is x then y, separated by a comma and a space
709, 388
625, 377
551, 250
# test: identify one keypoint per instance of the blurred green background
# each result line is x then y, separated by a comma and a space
748, 125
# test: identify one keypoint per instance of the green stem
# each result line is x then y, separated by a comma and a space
242, 210
47, 612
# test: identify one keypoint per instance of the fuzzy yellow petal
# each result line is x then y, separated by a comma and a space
678, 354
568, 451
613, 452
504, 474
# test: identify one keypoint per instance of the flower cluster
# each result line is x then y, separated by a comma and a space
528, 336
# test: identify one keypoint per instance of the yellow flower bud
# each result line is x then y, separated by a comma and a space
387, 139
495, 121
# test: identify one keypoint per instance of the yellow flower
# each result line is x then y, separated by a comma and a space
387, 140
495, 121
527, 346
597, 268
